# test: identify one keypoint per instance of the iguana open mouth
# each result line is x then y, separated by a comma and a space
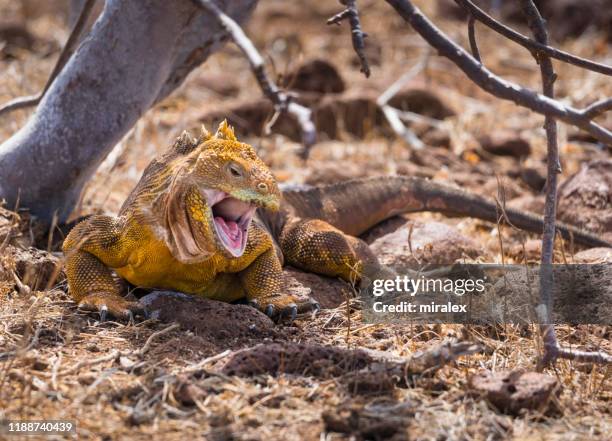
231, 218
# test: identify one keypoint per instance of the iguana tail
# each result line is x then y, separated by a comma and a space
355, 206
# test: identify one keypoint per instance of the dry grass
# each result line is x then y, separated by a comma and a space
54, 361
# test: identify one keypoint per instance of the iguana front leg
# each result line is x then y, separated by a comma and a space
263, 284
91, 249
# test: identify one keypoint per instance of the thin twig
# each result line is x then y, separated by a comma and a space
22, 288
201, 364
393, 115
537, 26
584, 356
530, 44
472, 38
89, 363
492, 83
67, 51
351, 13
31, 345
281, 100
551, 347
154, 336
21, 102
598, 108
418, 118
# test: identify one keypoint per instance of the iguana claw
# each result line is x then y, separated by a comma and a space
289, 311
315, 307
113, 305
103, 313
294, 310
270, 311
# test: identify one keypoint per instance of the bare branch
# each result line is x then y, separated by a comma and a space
598, 108
393, 115
552, 349
472, 37
358, 36
584, 356
530, 44
282, 101
22, 102
537, 26
336, 19
541, 103
67, 51
490, 82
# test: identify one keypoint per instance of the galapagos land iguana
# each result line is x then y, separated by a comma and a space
207, 218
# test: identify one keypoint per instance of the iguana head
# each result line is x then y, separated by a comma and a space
214, 195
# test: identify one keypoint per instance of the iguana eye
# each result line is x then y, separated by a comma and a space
236, 170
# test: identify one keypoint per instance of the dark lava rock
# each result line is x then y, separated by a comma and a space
295, 358
505, 143
534, 175
318, 76
422, 101
210, 318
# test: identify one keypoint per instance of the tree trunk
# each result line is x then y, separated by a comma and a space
136, 54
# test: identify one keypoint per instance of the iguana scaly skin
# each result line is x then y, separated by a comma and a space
207, 218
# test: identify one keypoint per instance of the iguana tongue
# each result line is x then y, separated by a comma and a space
232, 231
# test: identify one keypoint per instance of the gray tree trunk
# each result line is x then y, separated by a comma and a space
135, 55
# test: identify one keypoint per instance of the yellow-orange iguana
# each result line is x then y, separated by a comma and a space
207, 218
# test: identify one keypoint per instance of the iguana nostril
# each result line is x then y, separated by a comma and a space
262, 187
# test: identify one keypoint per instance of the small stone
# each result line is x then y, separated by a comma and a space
422, 101
533, 204
86, 379
331, 173
319, 76
511, 392
594, 255
505, 143
528, 252
427, 243
533, 173
585, 198
126, 363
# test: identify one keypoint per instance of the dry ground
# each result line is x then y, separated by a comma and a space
47, 372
